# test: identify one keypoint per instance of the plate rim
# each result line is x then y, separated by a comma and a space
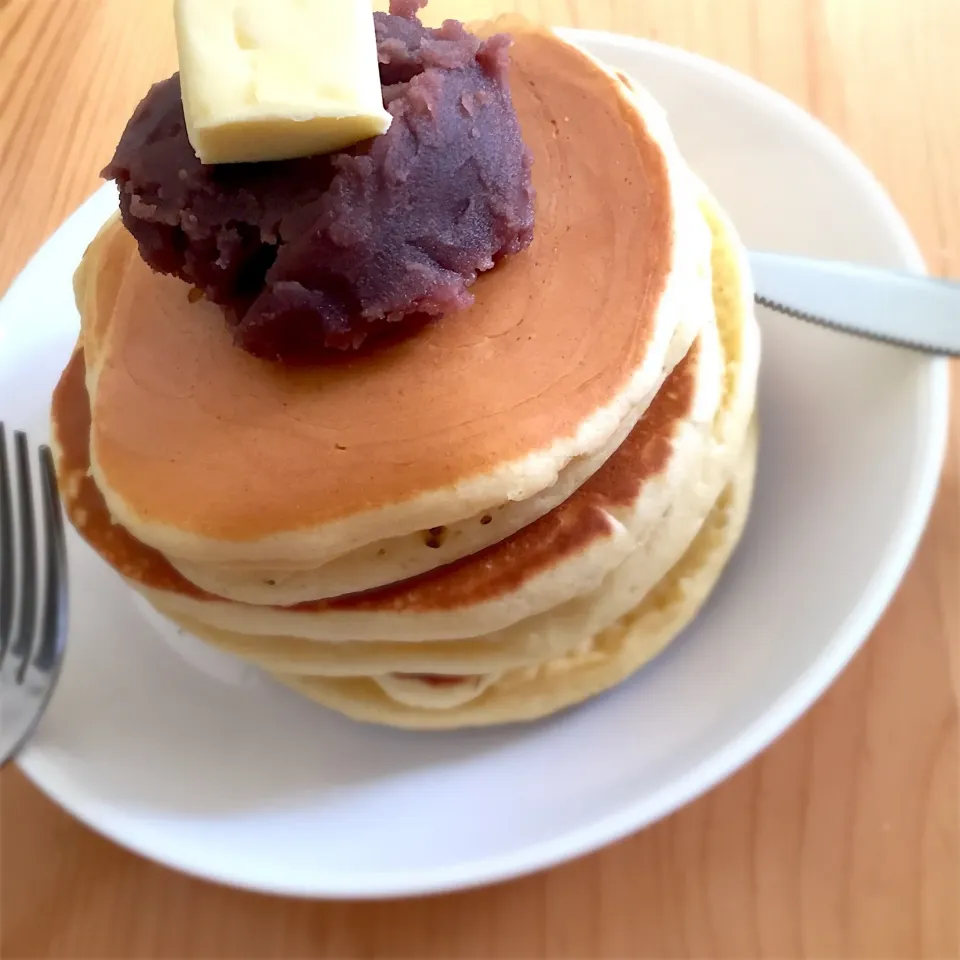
736, 753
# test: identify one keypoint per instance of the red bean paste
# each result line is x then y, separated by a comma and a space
330, 252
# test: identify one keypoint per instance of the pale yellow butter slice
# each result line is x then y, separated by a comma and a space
274, 79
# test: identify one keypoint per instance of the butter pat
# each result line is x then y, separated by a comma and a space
275, 79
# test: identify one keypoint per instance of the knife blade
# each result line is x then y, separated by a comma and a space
904, 309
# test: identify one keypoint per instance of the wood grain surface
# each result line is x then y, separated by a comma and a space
840, 841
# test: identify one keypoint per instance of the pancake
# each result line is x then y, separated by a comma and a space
566, 553
528, 641
674, 427
527, 507
212, 456
525, 643
444, 675
397, 558
599, 664
547, 563
404, 557
400, 668
515, 683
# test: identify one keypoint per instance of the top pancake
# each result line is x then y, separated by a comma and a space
559, 556
208, 454
673, 465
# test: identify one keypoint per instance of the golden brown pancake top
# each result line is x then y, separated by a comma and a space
192, 433
492, 573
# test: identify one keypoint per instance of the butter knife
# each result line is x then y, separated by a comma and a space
904, 309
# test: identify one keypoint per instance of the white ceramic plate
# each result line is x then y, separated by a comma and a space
207, 767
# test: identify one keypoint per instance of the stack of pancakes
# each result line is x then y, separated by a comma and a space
495, 518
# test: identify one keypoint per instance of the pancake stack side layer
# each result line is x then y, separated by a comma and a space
507, 513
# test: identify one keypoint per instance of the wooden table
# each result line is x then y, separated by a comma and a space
840, 841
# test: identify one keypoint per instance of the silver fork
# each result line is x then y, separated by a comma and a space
33, 592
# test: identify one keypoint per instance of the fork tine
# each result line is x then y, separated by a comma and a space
7, 571
54, 615
27, 613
